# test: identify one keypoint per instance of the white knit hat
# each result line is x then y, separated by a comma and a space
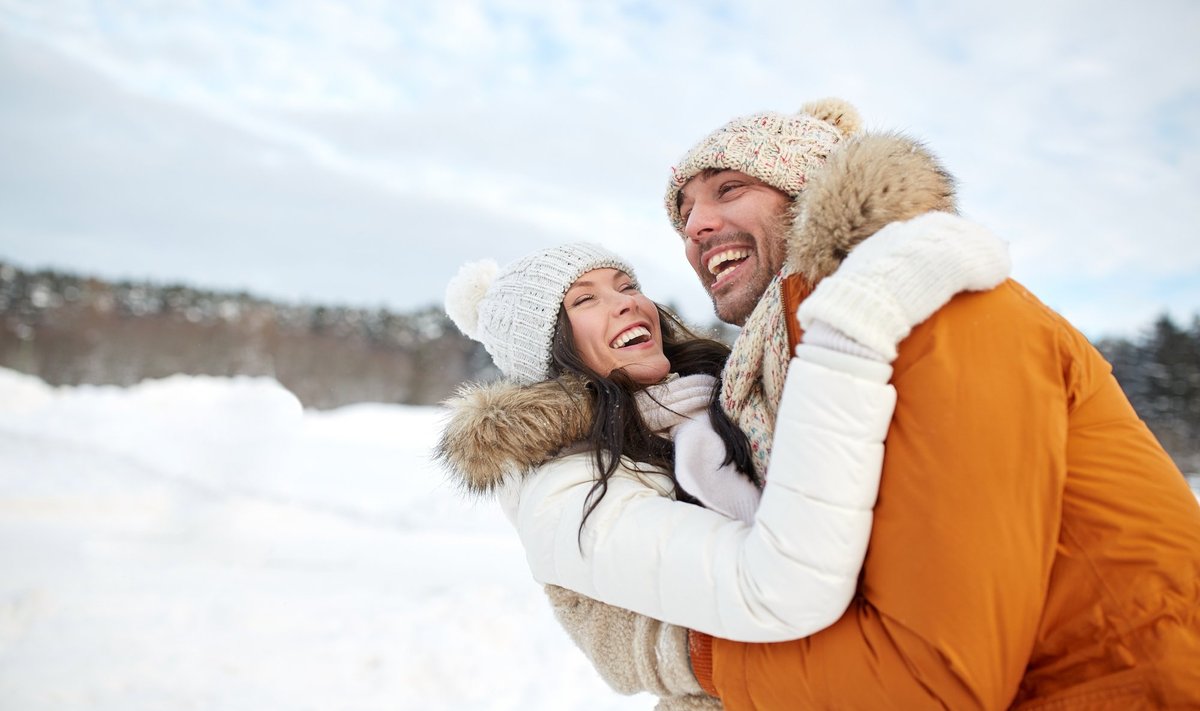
778, 149
513, 311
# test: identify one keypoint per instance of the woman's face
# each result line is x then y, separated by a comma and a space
615, 326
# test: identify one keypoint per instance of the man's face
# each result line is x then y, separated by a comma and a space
734, 238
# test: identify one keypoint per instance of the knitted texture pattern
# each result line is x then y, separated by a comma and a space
900, 275
667, 405
752, 382
779, 149
513, 311
632, 653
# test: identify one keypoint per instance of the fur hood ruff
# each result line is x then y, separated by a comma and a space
499, 429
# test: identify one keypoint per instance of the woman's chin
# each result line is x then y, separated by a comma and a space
649, 373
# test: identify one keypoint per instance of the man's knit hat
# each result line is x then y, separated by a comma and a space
778, 149
513, 311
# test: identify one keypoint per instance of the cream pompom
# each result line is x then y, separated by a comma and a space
836, 112
466, 290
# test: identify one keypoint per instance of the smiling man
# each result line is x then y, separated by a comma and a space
1033, 545
734, 239
730, 198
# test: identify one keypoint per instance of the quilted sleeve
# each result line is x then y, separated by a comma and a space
790, 573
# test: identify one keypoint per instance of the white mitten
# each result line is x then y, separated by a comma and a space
699, 452
823, 335
899, 276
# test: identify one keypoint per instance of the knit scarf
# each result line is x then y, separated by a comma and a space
752, 383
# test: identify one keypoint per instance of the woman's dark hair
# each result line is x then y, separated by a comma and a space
617, 427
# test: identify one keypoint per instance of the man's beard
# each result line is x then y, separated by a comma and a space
734, 308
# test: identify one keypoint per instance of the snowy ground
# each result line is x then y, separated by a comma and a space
198, 543
202, 543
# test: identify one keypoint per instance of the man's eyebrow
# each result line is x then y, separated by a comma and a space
706, 173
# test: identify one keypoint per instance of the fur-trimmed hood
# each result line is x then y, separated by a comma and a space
500, 429
872, 180
503, 428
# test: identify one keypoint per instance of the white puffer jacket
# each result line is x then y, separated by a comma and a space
791, 573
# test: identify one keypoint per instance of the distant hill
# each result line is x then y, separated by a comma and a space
71, 330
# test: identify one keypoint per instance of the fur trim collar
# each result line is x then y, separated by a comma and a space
872, 180
501, 429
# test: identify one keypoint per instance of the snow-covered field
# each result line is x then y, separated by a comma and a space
203, 543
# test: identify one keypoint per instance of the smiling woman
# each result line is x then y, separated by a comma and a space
614, 326
608, 428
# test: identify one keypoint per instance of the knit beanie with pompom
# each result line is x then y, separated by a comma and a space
778, 149
513, 311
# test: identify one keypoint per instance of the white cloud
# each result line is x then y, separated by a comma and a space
1072, 128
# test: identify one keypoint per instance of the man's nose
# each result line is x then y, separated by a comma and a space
703, 222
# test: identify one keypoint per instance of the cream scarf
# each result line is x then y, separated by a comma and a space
752, 383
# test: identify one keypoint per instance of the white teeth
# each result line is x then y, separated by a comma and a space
627, 336
714, 264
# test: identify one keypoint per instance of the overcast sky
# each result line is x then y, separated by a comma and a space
358, 151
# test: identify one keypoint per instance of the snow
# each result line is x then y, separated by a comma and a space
205, 543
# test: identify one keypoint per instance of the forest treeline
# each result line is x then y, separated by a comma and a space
71, 330
1160, 373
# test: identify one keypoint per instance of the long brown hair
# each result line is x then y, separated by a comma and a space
617, 426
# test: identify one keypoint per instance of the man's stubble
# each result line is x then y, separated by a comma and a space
736, 307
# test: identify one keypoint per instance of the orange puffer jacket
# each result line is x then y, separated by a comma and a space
1033, 547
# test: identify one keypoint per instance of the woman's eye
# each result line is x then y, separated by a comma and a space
581, 299
629, 287
726, 187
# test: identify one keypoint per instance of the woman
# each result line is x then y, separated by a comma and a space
576, 452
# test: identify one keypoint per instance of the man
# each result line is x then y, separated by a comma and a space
1033, 545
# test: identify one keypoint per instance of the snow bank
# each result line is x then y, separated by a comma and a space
204, 543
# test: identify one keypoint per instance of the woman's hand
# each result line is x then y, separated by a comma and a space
899, 276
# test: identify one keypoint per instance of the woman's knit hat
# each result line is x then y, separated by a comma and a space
513, 311
778, 149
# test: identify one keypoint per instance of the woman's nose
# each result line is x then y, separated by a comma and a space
624, 302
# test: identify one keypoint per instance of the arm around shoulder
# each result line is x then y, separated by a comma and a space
965, 531
790, 574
